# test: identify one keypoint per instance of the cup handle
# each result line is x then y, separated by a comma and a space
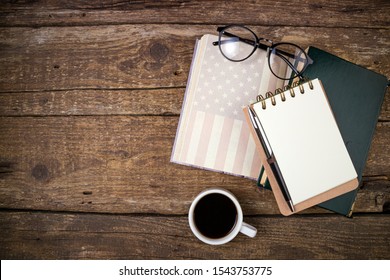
248, 230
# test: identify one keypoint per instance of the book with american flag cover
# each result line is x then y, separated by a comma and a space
212, 133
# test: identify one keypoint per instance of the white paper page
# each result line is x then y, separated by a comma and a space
306, 142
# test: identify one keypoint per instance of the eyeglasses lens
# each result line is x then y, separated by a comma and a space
287, 61
237, 43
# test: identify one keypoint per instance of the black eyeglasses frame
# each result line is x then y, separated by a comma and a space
259, 45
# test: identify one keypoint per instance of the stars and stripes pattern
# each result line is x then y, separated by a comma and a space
212, 131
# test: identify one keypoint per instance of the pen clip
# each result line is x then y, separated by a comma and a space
260, 132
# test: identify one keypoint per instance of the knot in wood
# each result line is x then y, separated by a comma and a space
159, 51
40, 172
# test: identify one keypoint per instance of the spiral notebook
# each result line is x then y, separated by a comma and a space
300, 146
355, 95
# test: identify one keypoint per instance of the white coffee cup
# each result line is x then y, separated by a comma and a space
206, 199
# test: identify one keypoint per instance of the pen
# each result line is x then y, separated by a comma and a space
270, 157
279, 178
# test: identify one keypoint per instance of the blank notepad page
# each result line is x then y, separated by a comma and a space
306, 142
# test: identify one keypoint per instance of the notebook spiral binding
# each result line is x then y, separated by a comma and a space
281, 92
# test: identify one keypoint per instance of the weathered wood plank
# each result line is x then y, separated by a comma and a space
34, 235
348, 13
374, 195
94, 102
106, 102
148, 56
377, 149
385, 110
120, 164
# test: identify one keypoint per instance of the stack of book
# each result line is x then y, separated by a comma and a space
309, 143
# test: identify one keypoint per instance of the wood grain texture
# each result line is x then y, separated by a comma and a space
153, 102
156, 102
148, 56
90, 97
35, 235
123, 164
347, 13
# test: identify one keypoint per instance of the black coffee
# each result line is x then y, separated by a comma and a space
215, 215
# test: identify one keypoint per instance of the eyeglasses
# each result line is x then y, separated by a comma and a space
285, 60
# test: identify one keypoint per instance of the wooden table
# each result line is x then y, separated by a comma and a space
90, 97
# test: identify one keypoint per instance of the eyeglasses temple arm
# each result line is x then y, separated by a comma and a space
288, 63
279, 52
249, 42
236, 38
